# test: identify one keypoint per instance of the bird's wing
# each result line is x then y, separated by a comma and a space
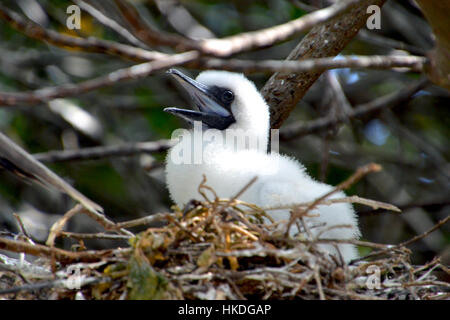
20, 162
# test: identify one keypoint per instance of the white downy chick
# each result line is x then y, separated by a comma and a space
229, 107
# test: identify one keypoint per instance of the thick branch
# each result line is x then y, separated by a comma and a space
62, 256
150, 36
266, 37
436, 12
284, 90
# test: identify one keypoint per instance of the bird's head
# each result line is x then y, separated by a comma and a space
225, 100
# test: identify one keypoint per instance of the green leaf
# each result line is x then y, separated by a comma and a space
144, 282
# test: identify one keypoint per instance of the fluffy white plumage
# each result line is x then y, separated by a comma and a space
281, 180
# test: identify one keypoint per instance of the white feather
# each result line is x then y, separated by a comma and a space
281, 180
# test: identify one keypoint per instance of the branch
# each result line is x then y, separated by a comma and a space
190, 59
284, 90
89, 236
128, 149
108, 22
62, 256
131, 73
234, 44
296, 130
91, 44
320, 64
216, 47
182, 21
436, 12
352, 199
408, 242
150, 36
266, 37
361, 172
372, 37
426, 233
20, 162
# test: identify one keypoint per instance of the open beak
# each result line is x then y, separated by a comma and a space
211, 111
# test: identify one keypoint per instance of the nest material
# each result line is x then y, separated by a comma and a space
222, 252
216, 249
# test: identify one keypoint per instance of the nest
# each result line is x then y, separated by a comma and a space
214, 249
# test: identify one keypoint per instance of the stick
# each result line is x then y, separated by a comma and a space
62, 256
129, 149
360, 172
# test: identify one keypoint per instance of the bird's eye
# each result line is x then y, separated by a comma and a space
227, 96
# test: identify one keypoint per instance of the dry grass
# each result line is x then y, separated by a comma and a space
215, 249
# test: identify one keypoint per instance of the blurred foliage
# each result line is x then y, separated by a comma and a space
132, 111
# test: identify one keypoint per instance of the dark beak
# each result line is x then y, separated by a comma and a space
211, 111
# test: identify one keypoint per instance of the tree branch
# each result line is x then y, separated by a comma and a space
266, 37
436, 12
320, 64
284, 90
104, 151
131, 73
299, 129
21, 163
35, 31
108, 22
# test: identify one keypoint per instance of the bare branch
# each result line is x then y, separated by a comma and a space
296, 129
426, 233
145, 220
382, 41
63, 256
408, 242
131, 73
353, 199
182, 20
89, 236
150, 36
284, 90
361, 172
234, 44
190, 58
110, 23
91, 44
56, 228
266, 37
128, 149
22, 163
320, 64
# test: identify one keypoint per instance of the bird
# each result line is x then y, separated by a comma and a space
226, 103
